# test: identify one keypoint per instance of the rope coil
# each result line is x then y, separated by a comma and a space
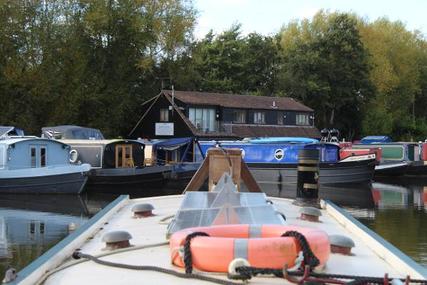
188, 260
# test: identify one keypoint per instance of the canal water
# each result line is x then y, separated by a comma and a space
31, 224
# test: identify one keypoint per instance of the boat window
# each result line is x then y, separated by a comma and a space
32, 227
42, 228
239, 116
164, 115
124, 156
33, 157
42, 157
302, 120
259, 118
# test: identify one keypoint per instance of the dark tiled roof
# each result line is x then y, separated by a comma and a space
274, 131
238, 101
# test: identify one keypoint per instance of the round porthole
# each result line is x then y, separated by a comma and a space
74, 155
279, 154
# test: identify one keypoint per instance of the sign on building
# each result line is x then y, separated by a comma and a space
164, 129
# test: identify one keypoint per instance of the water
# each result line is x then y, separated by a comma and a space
31, 224
399, 215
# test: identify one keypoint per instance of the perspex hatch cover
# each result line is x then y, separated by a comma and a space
224, 205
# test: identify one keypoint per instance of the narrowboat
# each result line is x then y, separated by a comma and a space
221, 236
397, 158
275, 160
121, 165
31, 165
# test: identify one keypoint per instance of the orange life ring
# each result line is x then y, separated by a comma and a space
261, 245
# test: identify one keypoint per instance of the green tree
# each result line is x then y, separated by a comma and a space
326, 67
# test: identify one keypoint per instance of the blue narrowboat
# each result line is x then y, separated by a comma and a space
275, 160
33, 165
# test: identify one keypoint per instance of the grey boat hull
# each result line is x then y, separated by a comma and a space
329, 173
69, 183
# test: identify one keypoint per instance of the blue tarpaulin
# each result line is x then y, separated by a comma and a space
172, 144
375, 139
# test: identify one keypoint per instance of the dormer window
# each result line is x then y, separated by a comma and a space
164, 115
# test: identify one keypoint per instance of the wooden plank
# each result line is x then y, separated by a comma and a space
199, 178
248, 179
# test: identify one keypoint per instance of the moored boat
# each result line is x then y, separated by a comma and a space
275, 160
33, 165
397, 158
219, 237
125, 166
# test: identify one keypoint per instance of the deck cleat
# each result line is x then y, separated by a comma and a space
310, 214
341, 244
143, 210
116, 239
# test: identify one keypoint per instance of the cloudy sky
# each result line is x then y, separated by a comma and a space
268, 16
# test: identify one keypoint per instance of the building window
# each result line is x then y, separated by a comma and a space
164, 115
239, 116
302, 120
33, 157
202, 118
259, 118
280, 118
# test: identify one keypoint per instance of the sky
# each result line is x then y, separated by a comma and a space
268, 16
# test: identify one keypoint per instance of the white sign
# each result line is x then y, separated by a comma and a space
164, 129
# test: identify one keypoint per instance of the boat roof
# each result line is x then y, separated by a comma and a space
283, 140
372, 255
7, 130
13, 140
97, 142
72, 132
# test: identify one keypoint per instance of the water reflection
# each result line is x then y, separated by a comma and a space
31, 224
399, 216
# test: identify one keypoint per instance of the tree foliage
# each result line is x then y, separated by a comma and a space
85, 62
326, 66
93, 62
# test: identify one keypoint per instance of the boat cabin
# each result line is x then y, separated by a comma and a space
89, 146
276, 150
392, 151
32, 152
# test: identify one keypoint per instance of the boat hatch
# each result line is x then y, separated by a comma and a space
224, 205
124, 157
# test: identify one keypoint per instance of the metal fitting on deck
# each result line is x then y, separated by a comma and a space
116, 239
341, 244
143, 210
310, 214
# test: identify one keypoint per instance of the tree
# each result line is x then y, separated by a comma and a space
326, 67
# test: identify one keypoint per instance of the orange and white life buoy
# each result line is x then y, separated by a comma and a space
263, 246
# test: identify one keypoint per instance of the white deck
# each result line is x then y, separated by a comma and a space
150, 230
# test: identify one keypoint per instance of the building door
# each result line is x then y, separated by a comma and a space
124, 158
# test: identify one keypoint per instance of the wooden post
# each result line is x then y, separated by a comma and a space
218, 161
